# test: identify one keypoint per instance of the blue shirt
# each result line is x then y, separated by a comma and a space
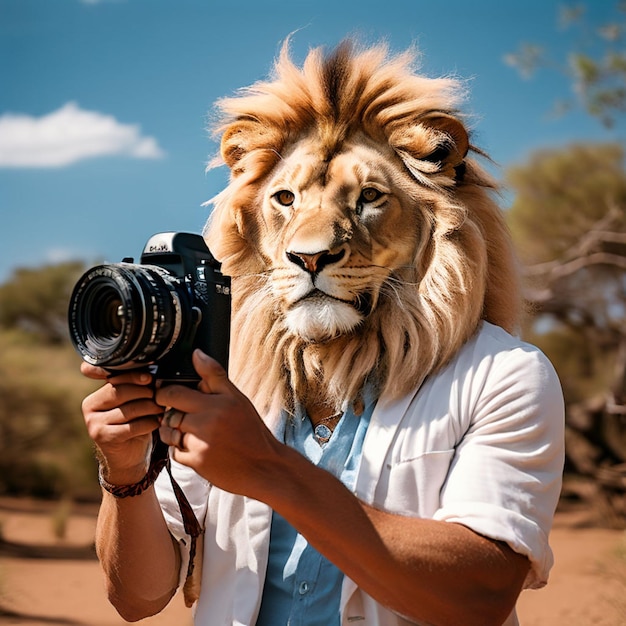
302, 587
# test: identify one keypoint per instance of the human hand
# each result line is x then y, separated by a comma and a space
216, 430
120, 417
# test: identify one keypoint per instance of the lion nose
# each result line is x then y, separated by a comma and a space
316, 262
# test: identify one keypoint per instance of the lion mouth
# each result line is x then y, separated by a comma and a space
362, 303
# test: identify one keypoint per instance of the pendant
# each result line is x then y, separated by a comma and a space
322, 433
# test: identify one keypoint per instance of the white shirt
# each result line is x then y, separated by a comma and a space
480, 443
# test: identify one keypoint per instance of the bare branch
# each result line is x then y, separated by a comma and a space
557, 269
582, 254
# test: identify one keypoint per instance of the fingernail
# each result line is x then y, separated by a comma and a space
145, 378
201, 355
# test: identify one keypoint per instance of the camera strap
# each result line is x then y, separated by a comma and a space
159, 459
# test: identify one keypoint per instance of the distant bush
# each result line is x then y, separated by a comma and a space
35, 300
44, 448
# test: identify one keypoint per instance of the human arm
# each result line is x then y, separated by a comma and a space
427, 571
137, 553
431, 572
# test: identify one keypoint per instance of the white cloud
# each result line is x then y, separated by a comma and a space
69, 135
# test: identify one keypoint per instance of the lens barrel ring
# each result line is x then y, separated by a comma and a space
125, 314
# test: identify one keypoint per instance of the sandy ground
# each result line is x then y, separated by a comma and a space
587, 585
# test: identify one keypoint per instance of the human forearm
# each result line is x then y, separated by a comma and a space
136, 550
138, 555
429, 571
462, 576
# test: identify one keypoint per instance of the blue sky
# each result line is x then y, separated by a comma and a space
104, 104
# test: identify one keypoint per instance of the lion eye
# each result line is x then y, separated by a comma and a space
369, 194
284, 197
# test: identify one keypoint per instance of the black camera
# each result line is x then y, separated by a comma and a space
155, 313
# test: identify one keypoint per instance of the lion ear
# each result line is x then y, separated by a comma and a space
451, 138
236, 141
438, 143
246, 135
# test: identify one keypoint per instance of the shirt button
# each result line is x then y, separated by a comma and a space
303, 588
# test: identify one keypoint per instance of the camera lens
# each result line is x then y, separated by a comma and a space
124, 314
107, 309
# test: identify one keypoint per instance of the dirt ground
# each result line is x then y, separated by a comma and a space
47, 581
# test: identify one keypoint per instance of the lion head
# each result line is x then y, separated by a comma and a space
362, 239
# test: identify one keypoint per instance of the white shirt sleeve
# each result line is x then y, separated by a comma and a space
505, 477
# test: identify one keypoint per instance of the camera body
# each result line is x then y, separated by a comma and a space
154, 313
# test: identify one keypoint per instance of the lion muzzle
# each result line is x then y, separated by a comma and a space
316, 262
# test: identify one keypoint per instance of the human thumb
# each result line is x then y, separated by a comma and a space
214, 377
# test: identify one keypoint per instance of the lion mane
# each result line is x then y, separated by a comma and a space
452, 260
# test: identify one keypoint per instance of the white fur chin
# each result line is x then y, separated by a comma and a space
322, 320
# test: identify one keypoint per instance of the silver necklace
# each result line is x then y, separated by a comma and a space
322, 431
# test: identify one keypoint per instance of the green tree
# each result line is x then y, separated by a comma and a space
570, 225
44, 448
574, 188
569, 222
35, 300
